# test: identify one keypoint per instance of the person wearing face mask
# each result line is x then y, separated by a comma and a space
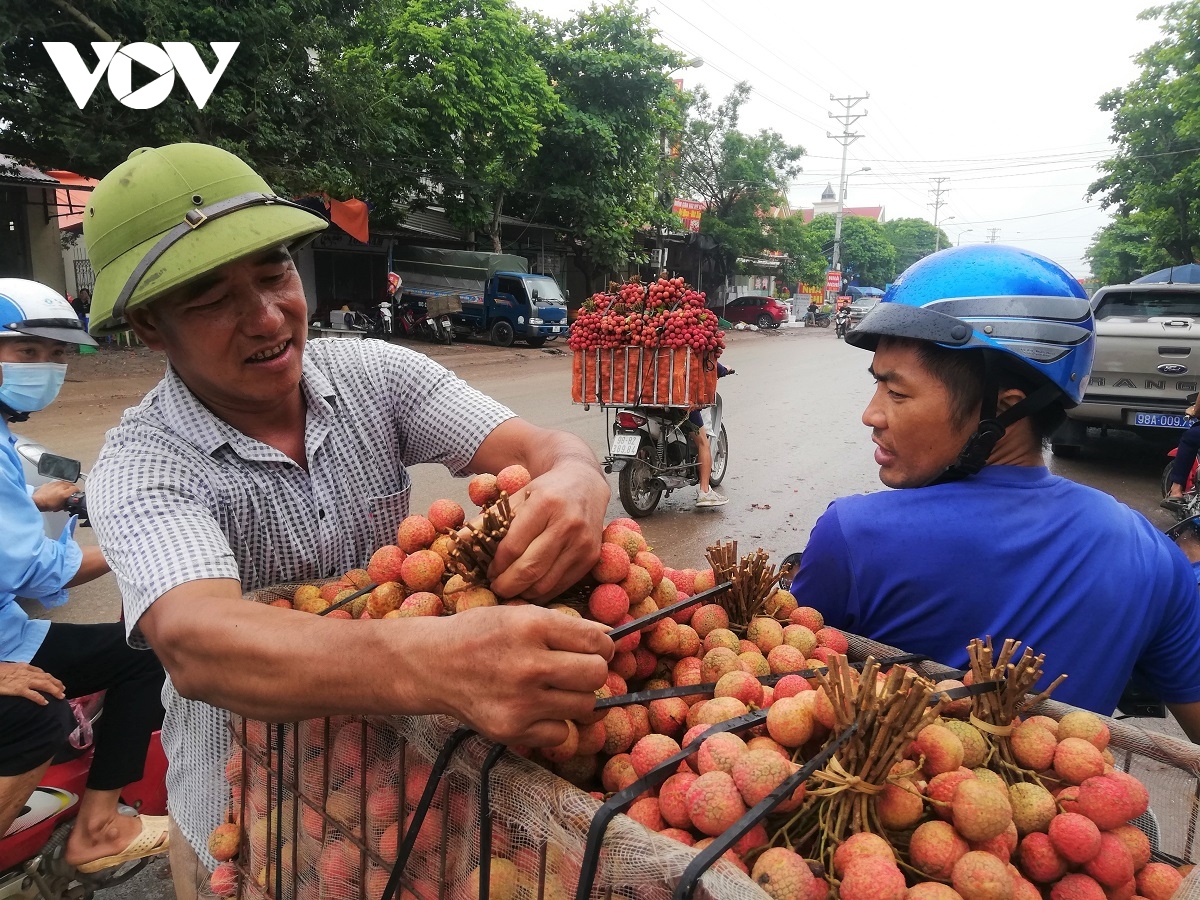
43, 664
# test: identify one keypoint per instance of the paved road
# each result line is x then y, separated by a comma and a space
796, 441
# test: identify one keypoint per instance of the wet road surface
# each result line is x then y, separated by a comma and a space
792, 413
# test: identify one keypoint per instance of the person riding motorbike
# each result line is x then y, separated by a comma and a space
707, 497
1185, 458
43, 664
978, 352
810, 315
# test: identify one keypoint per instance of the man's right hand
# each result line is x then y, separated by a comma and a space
24, 680
516, 674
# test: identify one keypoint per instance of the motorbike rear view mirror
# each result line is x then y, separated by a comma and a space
59, 468
535, 293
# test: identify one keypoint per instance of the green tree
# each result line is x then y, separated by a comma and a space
597, 171
867, 254
1156, 127
1123, 250
304, 99
803, 262
913, 239
741, 177
478, 98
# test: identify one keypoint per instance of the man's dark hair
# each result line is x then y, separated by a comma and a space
962, 373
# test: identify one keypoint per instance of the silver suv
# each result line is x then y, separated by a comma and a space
1147, 362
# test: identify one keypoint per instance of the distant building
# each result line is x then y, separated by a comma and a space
827, 205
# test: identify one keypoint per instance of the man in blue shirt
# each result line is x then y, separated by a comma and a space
978, 351
42, 664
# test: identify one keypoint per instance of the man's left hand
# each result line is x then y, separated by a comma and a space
554, 539
52, 497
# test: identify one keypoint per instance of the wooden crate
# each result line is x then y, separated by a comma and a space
640, 376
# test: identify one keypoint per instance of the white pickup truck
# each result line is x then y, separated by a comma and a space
1147, 363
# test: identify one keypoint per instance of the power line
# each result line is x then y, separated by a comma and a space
847, 118
937, 203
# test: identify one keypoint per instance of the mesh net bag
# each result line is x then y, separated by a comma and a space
325, 804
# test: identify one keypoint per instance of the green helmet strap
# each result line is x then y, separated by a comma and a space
193, 219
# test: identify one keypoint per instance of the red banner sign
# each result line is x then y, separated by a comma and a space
690, 211
833, 280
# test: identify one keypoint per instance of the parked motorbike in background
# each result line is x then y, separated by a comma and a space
653, 455
841, 322
415, 322
31, 852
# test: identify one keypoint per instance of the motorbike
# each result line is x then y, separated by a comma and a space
32, 866
841, 322
819, 319
653, 455
1191, 497
414, 321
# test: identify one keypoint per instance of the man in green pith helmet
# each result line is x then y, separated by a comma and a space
259, 459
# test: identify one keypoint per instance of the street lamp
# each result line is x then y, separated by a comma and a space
694, 63
958, 241
846, 183
937, 232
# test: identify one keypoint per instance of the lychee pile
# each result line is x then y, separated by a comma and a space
667, 313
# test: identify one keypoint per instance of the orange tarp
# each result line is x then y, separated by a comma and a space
71, 203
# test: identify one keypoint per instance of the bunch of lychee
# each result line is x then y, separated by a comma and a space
666, 314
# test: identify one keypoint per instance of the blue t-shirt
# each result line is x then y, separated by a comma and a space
31, 565
1013, 552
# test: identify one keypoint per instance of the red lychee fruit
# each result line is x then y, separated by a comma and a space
689, 641
683, 579
624, 663
779, 605
721, 709
754, 664
979, 812
591, 738
1136, 843
714, 803
872, 878
647, 664
708, 617
1033, 807
473, 598
758, 772
941, 748
223, 842
482, 490
790, 722
783, 874
637, 584
765, 633
1077, 887
385, 564
900, 806
790, 686
931, 890
833, 639
512, 479
810, 618
565, 750
784, 659
1103, 800
762, 742
422, 570
934, 849
859, 845
613, 565
1033, 746
422, 603
1085, 725
1077, 760
652, 564
608, 603
1039, 860
646, 812
1137, 798
667, 716
742, 685
980, 876
705, 580
1075, 837
662, 637
384, 599
618, 731
224, 880
958, 709
1112, 866
446, 514
722, 637
672, 799
415, 533
678, 834
651, 751
639, 718
975, 748
1158, 881
718, 662
718, 753
665, 594
1001, 846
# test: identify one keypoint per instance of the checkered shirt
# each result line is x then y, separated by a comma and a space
179, 495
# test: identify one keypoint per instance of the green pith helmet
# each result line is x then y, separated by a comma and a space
170, 214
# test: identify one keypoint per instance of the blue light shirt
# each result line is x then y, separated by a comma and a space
31, 565
1013, 552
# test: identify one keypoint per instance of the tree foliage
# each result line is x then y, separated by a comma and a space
597, 171
867, 254
740, 177
1123, 250
913, 239
303, 99
1155, 173
803, 260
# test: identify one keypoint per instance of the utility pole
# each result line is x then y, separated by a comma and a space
937, 203
992, 232
846, 138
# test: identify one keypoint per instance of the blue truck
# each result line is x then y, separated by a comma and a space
499, 299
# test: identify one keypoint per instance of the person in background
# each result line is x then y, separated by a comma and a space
43, 664
978, 352
1185, 459
707, 497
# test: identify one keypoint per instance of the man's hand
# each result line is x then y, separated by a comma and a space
52, 497
24, 680
554, 539
516, 674
555, 535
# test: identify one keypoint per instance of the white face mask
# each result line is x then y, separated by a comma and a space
29, 387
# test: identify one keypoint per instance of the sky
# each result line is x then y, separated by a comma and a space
999, 98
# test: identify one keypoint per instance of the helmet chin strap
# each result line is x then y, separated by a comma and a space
11, 415
991, 428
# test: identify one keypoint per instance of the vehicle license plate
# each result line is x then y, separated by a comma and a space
626, 444
556, 328
1162, 420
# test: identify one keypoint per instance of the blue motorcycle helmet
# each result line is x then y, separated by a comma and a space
1025, 313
